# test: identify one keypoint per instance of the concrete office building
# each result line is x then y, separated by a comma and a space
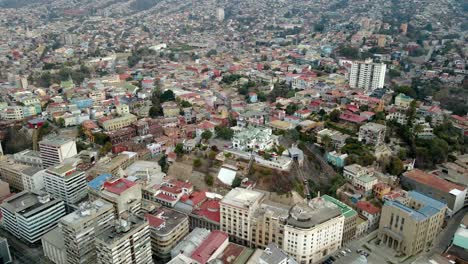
33, 179
10, 172
367, 75
127, 242
453, 195
82, 226
55, 150
28, 157
411, 228
168, 228
28, 216
237, 208
53, 246
66, 183
123, 194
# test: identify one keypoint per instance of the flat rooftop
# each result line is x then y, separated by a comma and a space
55, 141
165, 220
242, 198
345, 209
115, 235
27, 203
312, 213
86, 212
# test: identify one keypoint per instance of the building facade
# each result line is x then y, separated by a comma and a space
28, 216
454, 195
412, 227
66, 183
372, 133
167, 228
81, 227
367, 75
54, 150
127, 242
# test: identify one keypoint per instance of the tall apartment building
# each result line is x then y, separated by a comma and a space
237, 208
82, 226
127, 242
454, 195
28, 216
372, 133
66, 183
367, 75
411, 227
168, 228
55, 150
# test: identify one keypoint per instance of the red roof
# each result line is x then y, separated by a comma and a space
353, 118
205, 125
206, 249
197, 197
154, 221
165, 197
432, 181
367, 207
210, 210
118, 186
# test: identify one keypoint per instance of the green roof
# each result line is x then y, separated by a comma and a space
367, 178
345, 209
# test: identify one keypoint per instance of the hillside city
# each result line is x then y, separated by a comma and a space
241, 131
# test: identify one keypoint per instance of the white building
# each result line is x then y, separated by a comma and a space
254, 138
367, 75
220, 13
82, 226
66, 183
127, 242
28, 216
55, 150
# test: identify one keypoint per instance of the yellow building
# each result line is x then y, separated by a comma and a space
119, 122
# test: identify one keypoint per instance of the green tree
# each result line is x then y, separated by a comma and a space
168, 95
206, 135
155, 111
335, 115
395, 166
224, 132
100, 138
61, 122
179, 149
236, 182
197, 163
209, 179
185, 104
105, 149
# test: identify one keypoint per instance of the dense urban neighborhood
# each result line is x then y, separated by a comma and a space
259, 132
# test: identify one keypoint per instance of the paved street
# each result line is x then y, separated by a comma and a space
381, 254
22, 253
446, 235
